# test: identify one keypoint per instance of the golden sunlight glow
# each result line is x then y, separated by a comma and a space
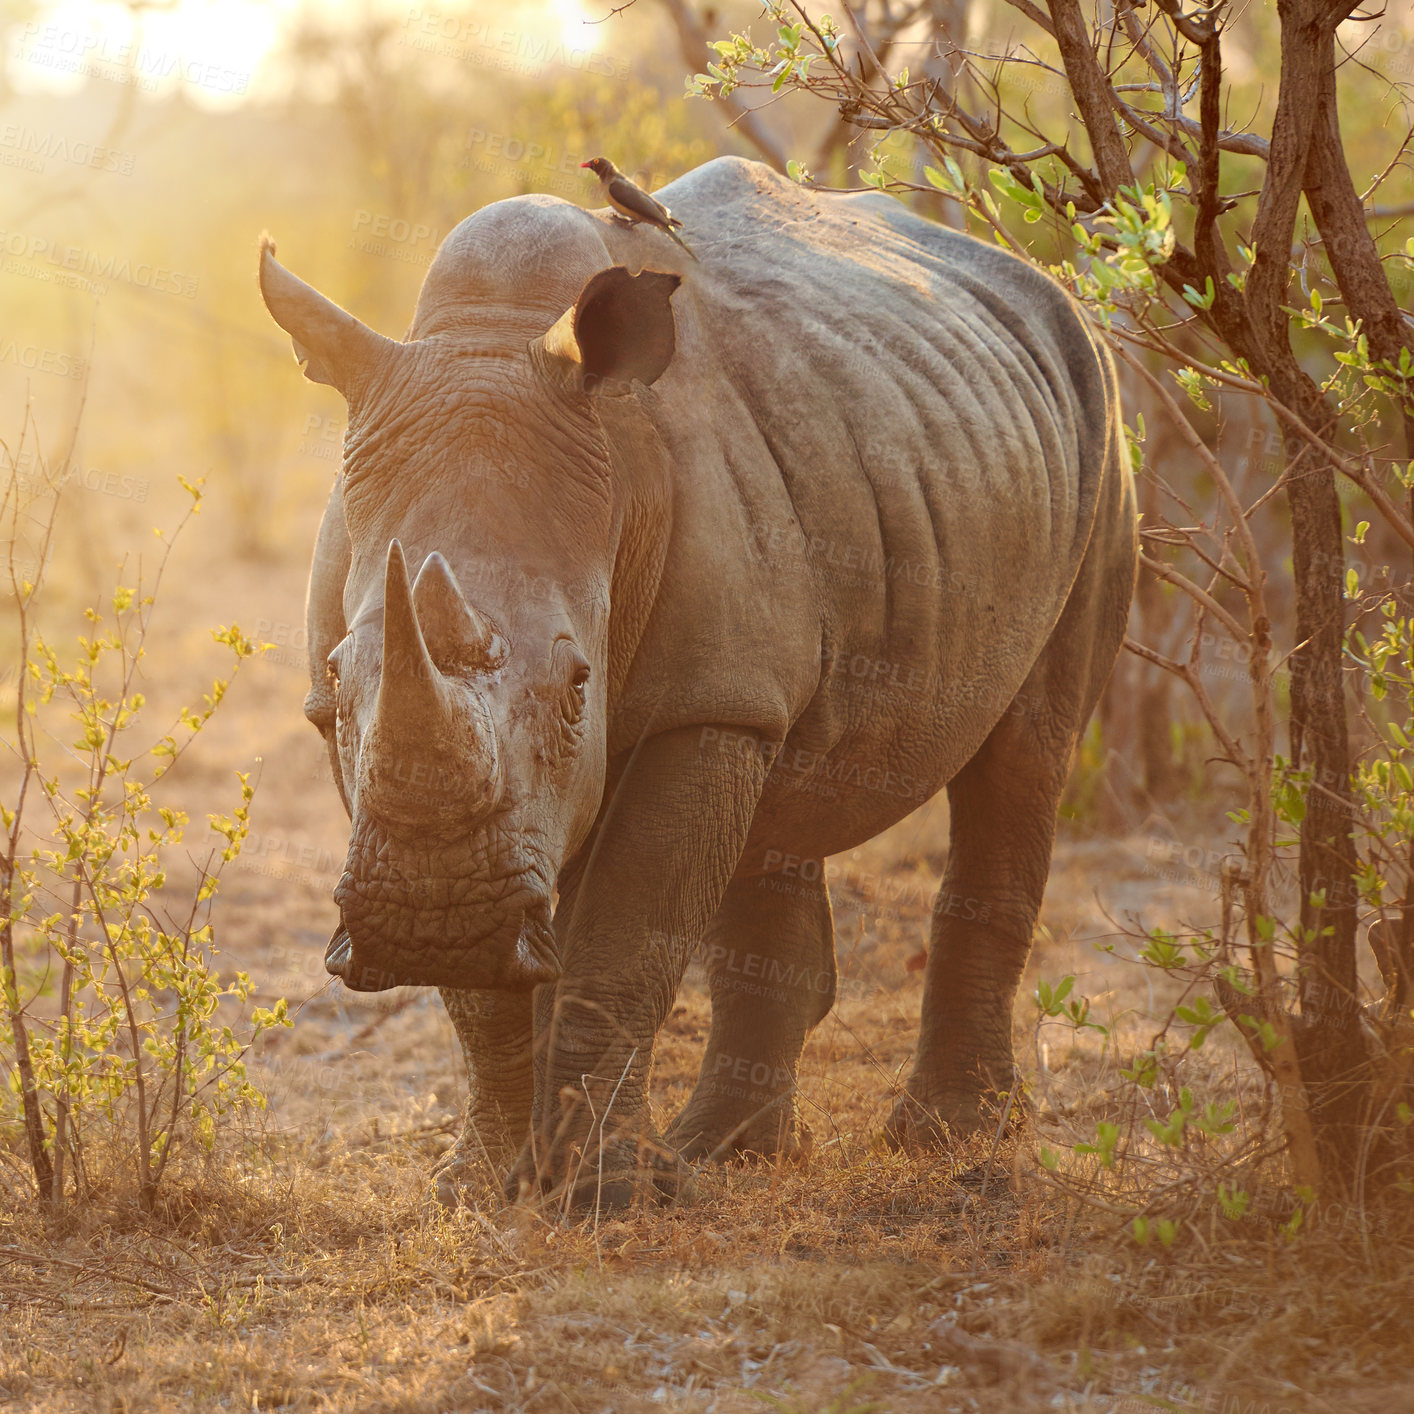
575, 31
218, 52
211, 49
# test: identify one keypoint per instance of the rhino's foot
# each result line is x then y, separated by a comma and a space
924, 1120
713, 1134
457, 1185
622, 1171
468, 1172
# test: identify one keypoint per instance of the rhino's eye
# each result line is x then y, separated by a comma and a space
572, 670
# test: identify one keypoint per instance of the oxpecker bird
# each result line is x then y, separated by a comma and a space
631, 202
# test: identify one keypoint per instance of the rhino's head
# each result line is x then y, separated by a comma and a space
469, 694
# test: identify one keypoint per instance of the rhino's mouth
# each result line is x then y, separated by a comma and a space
443, 912
511, 959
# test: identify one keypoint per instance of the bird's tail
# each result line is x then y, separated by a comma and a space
681, 242
673, 221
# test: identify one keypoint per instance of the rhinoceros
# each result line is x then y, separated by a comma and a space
643, 575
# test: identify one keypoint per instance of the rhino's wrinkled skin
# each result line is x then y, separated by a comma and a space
701, 577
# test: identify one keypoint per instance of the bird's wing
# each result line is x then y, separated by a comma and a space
635, 199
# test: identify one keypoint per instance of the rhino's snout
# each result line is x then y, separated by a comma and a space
466, 910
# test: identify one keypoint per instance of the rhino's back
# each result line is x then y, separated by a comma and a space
891, 443
905, 328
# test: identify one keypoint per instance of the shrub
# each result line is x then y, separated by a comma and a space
119, 1037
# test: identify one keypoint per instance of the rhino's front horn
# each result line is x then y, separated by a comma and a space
429, 760
455, 634
331, 345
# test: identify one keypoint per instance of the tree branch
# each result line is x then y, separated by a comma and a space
1198, 594
1092, 95
697, 54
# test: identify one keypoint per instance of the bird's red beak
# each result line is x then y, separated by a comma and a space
586, 164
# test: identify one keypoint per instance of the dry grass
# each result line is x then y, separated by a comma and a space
310, 1271
306, 1268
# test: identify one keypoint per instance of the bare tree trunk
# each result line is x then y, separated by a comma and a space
1355, 263
1255, 325
1335, 1057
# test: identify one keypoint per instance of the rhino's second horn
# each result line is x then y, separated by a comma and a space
431, 757
456, 636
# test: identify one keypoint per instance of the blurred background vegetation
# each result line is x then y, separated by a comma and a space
143, 147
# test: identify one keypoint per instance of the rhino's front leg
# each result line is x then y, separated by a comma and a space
495, 1031
770, 957
669, 836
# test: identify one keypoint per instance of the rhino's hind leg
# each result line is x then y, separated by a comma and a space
1004, 804
495, 1031
770, 958
1003, 825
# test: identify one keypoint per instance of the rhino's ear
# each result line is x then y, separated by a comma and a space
331, 345
620, 328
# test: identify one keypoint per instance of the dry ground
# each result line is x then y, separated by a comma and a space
305, 1268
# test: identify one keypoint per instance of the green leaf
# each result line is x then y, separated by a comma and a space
1234, 1201
942, 180
1203, 301
1009, 187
